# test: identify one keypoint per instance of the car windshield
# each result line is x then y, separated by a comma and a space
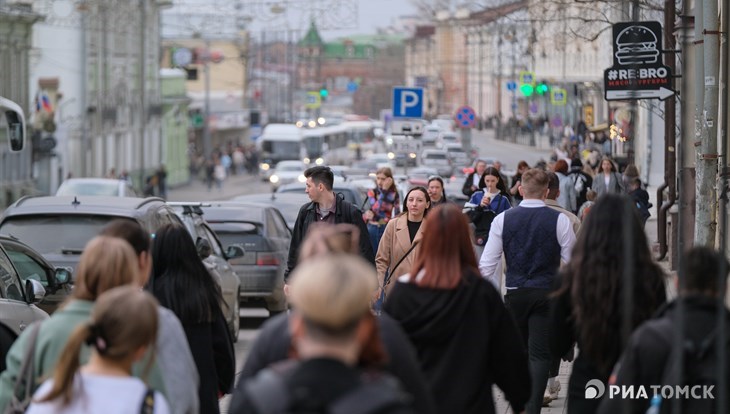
66, 234
435, 156
91, 189
289, 168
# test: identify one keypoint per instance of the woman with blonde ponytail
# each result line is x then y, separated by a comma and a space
123, 325
106, 263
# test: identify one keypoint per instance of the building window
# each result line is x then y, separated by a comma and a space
350, 51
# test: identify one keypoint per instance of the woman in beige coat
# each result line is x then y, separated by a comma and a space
399, 236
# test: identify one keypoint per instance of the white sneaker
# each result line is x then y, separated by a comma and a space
553, 390
546, 399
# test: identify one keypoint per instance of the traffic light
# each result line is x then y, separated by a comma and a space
542, 89
527, 89
323, 93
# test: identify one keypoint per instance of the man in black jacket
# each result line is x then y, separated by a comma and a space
331, 297
325, 207
648, 358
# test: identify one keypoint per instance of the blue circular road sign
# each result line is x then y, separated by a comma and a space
466, 117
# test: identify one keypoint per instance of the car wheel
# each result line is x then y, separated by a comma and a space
6, 341
235, 323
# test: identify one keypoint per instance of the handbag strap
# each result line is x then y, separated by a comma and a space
390, 272
27, 377
148, 402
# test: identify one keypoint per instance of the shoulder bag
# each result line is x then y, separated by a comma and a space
386, 280
25, 382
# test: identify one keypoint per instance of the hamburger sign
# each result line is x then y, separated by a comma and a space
638, 70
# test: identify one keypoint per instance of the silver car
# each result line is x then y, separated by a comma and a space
17, 305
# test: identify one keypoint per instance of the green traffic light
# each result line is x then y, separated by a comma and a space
323, 93
542, 89
527, 89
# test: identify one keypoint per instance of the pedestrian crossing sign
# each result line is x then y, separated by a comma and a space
314, 100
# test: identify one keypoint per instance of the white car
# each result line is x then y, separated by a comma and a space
288, 172
448, 138
431, 135
439, 160
97, 187
456, 153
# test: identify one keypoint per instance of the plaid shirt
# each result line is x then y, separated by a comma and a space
384, 205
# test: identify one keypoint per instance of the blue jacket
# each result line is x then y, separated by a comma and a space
498, 204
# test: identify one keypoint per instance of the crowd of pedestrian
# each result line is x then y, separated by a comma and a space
406, 304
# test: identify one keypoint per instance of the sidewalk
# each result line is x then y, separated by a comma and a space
198, 190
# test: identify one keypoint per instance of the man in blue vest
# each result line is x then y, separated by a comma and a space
534, 238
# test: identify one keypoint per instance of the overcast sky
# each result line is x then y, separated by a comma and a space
212, 17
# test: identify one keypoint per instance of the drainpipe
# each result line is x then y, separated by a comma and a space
670, 120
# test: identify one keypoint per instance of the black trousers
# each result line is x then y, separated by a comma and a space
530, 308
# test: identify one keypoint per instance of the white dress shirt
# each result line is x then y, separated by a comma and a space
493, 249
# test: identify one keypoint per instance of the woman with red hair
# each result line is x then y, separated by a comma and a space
567, 198
457, 322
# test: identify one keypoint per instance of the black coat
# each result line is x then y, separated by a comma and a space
212, 349
344, 213
466, 341
274, 341
315, 385
468, 183
645, 357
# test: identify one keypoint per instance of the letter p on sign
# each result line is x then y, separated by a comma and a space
407, 102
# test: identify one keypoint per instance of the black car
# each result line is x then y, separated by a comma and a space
31, 265
59, 227
263, 232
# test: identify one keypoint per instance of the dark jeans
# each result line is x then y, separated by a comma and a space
376, 233
530, 307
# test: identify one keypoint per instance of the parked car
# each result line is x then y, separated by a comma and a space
263, 232
59, 228
18, 301
288, 172
31, 265
288, 204
439, 160
96, 187
216, 258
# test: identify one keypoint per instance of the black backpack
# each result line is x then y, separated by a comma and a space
699, 369
378, 393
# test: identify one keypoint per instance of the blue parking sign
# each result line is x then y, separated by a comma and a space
407, 102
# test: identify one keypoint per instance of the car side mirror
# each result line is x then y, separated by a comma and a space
15, 120
63, 275
203, 247
235, 251
34, 291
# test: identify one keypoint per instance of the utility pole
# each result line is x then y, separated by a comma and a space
498, 126
207, 144
142, 88
706, 205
